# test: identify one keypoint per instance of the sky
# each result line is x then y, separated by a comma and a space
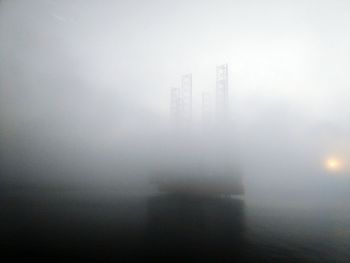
97, 74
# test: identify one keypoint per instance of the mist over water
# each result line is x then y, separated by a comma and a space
86, 126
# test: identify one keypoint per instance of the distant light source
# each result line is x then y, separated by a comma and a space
333, 164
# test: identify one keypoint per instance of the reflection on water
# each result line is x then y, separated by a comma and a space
195, 228
100, 226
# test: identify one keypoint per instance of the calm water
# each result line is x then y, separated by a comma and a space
106, 226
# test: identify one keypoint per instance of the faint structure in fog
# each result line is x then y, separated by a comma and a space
204, 164
222, 102
181, 100
206, 107
175, 102
186, 92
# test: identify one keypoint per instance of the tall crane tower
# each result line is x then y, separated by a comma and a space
181, 100
206, 107
186, 92
175, 103
222, 98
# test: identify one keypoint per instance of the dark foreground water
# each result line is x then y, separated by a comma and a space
92, 226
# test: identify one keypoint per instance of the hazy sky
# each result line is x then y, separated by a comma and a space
295, 51
97, 69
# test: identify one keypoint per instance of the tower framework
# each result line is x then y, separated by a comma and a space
181, 100
222, 96
186, 94
175, 102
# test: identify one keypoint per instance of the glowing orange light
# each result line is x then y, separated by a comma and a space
333, 164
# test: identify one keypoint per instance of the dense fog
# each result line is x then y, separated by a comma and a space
85, 94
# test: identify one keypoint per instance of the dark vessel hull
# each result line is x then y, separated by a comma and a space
199, 185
